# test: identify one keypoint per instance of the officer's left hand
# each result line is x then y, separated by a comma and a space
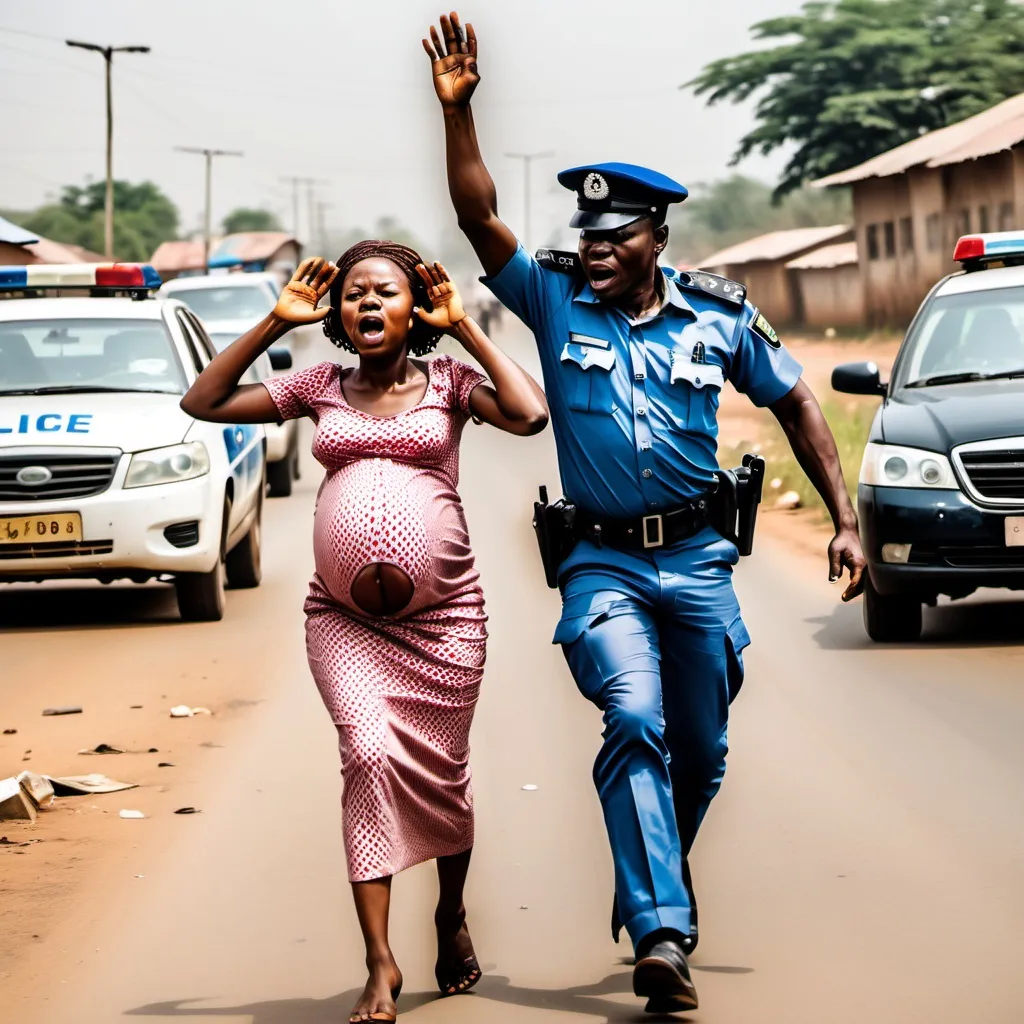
448, 311
845, 550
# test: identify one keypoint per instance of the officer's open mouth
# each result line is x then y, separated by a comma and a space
371, 327
600, 273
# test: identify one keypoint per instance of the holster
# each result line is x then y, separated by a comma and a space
734, 508
555, 526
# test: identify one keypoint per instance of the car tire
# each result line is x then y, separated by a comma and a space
280, 476
891, 618
244, 563
201, 594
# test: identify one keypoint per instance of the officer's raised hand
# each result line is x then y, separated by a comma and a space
297, 303
448, 311
453, 61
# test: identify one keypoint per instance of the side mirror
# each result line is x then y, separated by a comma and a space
858, 379
281, 359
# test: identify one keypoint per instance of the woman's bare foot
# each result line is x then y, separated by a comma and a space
377, 1003
457, 969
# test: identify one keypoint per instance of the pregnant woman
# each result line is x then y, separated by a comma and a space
395, 622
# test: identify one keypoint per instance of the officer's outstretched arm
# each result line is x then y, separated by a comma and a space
815, 449
454, 66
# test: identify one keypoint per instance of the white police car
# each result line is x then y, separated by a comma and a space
102, 475
229, 305
941, 493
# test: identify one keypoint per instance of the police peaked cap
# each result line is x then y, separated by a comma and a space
610, 196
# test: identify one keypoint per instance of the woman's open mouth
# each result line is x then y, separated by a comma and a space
371, 328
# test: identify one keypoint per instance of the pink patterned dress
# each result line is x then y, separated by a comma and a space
400, 689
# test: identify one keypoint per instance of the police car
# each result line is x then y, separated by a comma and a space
102, 476
941, 492
229, 305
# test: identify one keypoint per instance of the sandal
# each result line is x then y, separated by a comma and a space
462, 979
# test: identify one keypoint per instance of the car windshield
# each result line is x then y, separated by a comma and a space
969, 336
248, 302
88, 355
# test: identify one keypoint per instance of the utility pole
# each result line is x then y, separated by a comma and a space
295, 181
209, 154
108, 206
527, 159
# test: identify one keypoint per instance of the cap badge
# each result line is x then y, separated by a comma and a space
595, 187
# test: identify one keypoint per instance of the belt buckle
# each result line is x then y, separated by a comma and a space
659, 521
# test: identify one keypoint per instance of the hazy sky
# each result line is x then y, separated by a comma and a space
341, 92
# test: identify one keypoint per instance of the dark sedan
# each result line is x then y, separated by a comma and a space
941, 494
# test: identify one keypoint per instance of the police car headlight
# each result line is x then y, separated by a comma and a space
168, 465
890, 465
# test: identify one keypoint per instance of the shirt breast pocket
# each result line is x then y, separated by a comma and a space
701, 383
587, 368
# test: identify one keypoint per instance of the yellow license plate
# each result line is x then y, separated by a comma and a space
56, 528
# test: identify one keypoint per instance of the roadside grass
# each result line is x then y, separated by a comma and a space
850, 423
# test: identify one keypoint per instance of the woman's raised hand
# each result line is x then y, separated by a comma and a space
309, 284
453, 61
444, 297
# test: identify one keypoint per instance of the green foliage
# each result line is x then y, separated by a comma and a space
736, 208
143, 218
248, 219
849, 79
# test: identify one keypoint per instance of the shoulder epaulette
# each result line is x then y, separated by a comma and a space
559, 259
711, 284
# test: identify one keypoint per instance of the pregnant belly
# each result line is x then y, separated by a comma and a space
390, 538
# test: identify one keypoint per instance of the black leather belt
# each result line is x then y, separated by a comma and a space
646, 532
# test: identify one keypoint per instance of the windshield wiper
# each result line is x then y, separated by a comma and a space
960, 378
72, 389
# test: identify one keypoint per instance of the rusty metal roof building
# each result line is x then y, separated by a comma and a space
842, 254
776, 245
992, 131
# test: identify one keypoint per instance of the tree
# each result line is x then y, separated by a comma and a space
735, 208
143, 218
850, 79
249, 219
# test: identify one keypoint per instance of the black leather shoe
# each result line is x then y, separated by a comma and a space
662, 976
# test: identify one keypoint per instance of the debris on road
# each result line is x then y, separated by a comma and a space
15, 803
79, 785
184, 711
130, 814
10, 732
62, 711
188, 810
530, 787
103, 748
135, 707
166, 764
38, 788
789, 500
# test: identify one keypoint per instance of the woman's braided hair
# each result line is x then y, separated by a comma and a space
422, 337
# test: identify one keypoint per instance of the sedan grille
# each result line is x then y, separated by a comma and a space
995, 475
95, 547
70, 476
968, 556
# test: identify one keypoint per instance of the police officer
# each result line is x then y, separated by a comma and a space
634, 358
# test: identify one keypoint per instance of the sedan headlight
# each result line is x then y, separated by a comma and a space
890, 465
168, 465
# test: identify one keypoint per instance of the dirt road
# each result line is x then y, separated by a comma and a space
863, 862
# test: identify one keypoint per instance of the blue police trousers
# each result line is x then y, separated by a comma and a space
654, 639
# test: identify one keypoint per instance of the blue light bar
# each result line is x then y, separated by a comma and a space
114, 277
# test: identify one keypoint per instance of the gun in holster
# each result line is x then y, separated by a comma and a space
734, 506
555, 526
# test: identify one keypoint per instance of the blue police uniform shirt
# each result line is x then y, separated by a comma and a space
634, 404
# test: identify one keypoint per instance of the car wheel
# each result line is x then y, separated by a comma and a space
201, 594
891, 618
244, 563
280, 475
